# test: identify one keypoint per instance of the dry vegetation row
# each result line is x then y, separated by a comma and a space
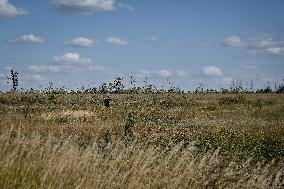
173, 141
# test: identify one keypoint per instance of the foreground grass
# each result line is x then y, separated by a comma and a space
180, 141
58, 162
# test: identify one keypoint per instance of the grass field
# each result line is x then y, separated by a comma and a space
142, 141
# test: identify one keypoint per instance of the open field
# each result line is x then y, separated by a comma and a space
142, 141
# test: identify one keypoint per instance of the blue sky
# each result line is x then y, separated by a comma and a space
76, 43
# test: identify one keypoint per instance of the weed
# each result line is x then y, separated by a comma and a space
231, 100
13, 80
128, 132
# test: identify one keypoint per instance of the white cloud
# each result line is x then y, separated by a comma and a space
37, 77
9, 10
273, 51
153, 39
44, 69
81, 42
26, 38
142, 74
72, 58
116, 41
250, 67
262, 40
83, 6
126, 6
37, 69
70, 62
202, 45
234, 41
34, 78
97, 68
257, 43
164, 73
227, 80
181, 73
212, 71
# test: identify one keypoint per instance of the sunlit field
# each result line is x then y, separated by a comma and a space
145, 94
155, 140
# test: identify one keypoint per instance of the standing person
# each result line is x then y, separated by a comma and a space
107, 101
128, 128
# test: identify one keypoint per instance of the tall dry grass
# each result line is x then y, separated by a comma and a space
37, 161
180, 141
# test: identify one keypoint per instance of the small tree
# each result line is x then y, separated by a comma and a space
103, 88
133, 82
117, 85
13, 80
281, 87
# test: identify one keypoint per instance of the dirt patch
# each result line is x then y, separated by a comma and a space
67, 113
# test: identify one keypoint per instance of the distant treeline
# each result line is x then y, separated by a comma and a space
118, 87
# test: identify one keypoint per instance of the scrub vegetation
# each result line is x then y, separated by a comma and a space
144, 139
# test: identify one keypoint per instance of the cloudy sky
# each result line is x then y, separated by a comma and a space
76, 43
